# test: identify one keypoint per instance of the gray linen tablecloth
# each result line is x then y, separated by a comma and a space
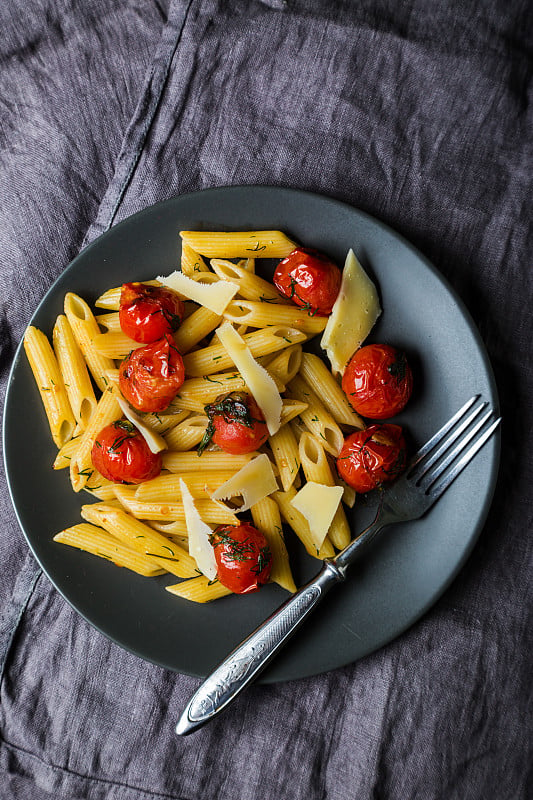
417, 112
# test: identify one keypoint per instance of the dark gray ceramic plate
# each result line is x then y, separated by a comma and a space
405, 572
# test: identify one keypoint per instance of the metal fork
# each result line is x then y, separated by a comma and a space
432, 469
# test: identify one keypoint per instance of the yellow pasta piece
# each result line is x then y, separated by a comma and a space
85, 329
100, 487
142, 538
316, 374
199, 590
187, 434
50, 384
114, 345
171, 512
191, 462
286, 455
286, 364
163, 422
191, 262
251, 286
300, 525
316, 417
259, 315
260, 343
239, 244
267, 519
110, 321
95, 540
195, 328
166, 488
73, 368
291, 409
64, 455
316, 469
248, 264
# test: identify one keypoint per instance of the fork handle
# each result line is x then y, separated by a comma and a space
250, 658
243, 665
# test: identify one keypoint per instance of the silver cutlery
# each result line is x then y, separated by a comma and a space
430, 472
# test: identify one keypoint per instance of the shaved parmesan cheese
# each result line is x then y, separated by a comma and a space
155, 442
353, 315
214, 296
200, 548
252, 483
318, 503
260, 383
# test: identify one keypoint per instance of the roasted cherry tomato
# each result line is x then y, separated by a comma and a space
151, 376
243, 557
378, 381
372, 457
121, 454
310, 279
236, 424
147, 313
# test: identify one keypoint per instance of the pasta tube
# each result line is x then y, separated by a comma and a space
316, 418
50, 384
239, 244
76, 378
315, 373
199, 590
85, 329
251, 286
266, 517
260, 315
300, 525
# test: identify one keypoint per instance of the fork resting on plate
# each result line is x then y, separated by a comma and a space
430, 472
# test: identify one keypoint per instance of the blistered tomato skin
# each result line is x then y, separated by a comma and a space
147, 313
243, 557
121, 454
372, 457
236, 424
310, 279
378, 381
151, 376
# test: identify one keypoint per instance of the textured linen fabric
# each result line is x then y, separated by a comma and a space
419, 113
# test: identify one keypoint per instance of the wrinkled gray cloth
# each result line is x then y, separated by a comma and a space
419, 113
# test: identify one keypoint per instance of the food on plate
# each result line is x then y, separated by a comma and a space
211, 408
147, 313
243, 557
120, 453
236, 424
372, 457
151, 376
378, 381
353, 316
310, 279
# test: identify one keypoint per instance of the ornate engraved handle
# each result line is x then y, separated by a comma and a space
251, 657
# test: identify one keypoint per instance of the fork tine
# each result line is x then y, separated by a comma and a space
437, 486
438, 437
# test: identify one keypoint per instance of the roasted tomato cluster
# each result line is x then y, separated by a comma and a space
310, 279
243, 557
236, 424
378, 383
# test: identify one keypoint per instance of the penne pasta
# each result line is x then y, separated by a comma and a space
85, 328
65, 454
166, 488
191, 462
267, 519
199, 590
239, 244
316, 374
316, 417
286, 455
260, 343
187, 434
286, 364
110, 300
191, 262
74, 371
316, 468
291, 409
251, 286
141, 538
195, 328
114, 345
100, 543
260, 315
110, 321
49, 380
155, 511
106, 412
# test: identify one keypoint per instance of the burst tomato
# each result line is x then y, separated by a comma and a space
310, 279
236, 424
243, 557
121, 454
147, 313
378, 381
151, 376
372, 457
